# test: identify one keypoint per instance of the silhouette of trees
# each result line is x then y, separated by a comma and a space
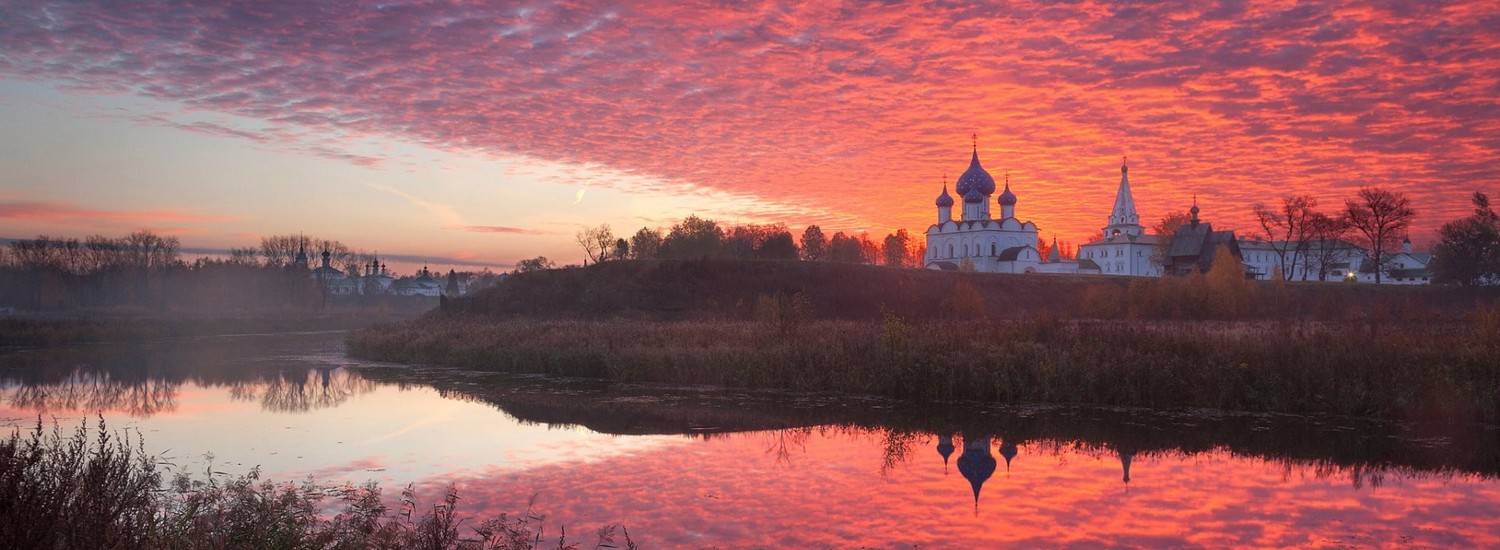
621, 250
845, 249
646, 244
694, 238
898, 248
814, 244
1468, 249
1379, 217
597, 242
760, 241
538, 263
778, 246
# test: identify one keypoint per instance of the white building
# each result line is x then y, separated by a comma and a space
1003, 245
1316, 260
1404, 268
1124, 247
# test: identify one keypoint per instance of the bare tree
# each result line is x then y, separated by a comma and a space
1379, 217
280, 250
1286, 229
247, 256
146, 249
1329, 233
338, 253
597, 242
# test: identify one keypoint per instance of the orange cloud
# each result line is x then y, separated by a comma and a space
858, 112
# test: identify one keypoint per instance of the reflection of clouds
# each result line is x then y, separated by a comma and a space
729, 491
90, 392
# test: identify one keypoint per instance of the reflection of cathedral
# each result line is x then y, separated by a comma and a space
977, 463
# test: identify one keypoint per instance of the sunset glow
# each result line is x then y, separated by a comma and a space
473, 134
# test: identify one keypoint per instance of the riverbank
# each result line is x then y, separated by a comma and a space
1431, 371
55, 330
1413, 353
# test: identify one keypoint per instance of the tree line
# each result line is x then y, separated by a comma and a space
143, 271
696, 237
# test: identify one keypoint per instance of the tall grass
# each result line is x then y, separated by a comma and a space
1423, 371
96, 491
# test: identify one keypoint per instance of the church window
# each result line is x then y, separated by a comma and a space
992, 249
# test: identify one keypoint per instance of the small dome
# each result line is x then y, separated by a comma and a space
975, 178
944, 199
973, 196
1194, 210
1007, 198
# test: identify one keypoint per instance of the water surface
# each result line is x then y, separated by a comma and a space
707, 467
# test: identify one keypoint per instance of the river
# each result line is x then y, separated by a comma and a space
698, 467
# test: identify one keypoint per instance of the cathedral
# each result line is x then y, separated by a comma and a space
976, 239
979, 241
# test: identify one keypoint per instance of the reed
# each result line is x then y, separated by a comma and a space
1441, 371
94, 490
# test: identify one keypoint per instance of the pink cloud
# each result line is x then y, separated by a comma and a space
858, 111
499, 229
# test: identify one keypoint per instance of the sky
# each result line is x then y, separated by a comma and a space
478, 134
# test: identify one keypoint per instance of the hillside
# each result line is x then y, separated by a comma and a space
724, 288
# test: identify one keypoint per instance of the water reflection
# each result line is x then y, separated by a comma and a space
1364, 448
736, 468
145, 380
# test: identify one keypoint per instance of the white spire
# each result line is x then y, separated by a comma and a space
1123, 218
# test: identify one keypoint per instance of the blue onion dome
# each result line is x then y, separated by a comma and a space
943, 199
976, 178
1007, 198
973, 196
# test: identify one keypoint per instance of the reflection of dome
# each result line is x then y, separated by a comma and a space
976, 463
943, 199
975, 179
945, 448
1008, 450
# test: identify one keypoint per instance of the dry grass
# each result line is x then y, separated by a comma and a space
1445, 371
88, 490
